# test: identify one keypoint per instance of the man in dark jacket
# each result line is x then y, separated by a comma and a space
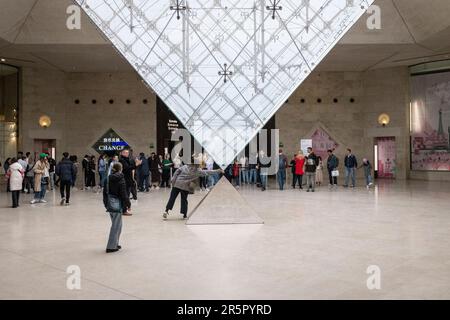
115, 187
310, 168
350, 168
128, 166
143, 173
85, 167
66, 172
332, 165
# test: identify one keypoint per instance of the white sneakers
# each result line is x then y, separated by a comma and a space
38, 201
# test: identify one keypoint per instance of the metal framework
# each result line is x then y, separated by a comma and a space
224, 67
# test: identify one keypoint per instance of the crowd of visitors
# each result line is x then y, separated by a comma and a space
122, 176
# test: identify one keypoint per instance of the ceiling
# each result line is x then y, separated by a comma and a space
34, 33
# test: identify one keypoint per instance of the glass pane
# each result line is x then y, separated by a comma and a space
224, 67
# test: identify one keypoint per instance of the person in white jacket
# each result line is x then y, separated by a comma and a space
15, 174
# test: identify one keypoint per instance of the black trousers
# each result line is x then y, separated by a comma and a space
64, 188
165, 179
15, 198
299, 178
173, 196
333, 180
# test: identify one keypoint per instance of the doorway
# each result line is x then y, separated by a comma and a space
47, 146
385, 157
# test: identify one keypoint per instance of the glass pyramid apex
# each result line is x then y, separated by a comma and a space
224, 67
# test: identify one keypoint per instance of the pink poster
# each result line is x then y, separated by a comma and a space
322, 142
386, 157
430, 122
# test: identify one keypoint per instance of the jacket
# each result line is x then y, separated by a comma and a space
15, 173
39, 169
332, 162
350, 161
65, 170
144, 168
115, 185
299, 164
311, 163
186, 177
127, 168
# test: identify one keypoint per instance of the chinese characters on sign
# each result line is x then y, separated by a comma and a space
110, 143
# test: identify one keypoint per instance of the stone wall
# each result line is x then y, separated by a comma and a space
76, 127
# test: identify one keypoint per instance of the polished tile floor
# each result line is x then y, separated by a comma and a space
312, 245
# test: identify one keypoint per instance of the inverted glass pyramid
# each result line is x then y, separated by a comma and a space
224, 67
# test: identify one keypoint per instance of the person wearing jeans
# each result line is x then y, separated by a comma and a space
243, 173
350, 168
41, 175
282, 165
66, 172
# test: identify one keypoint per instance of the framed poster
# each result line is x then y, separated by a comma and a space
430, 122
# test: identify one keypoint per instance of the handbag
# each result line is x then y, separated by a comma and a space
113, 203
335, 173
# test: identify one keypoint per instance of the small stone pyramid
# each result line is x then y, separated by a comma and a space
223, 205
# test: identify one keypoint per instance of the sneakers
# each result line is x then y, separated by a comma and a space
62, 201
34, 201
184, 216
43, 201
165, 214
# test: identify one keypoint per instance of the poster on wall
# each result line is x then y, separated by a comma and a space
305, 144
430, 122
110, 143
322, 142
386, 157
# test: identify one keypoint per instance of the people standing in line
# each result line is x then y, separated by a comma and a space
116, 199
65, 170
351, 164
319, 171
154, 170
184, 182
41, 178
263, 168
310, 168
252, 164
332, 167
299, 169
85, 167
102, 167
74, 160
166, 167
282, 165
367, 172
15, 176
52, 165
143, 172
244, 172
128, 166
236, 173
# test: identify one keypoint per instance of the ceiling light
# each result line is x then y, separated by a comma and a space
3, 60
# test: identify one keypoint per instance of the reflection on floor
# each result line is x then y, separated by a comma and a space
312, 245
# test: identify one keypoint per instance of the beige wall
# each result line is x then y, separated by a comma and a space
355, 124
77, 127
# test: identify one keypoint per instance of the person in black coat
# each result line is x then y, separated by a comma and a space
115, 189
66, 172
128, 166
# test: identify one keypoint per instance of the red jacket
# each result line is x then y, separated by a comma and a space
235, 170
299, 164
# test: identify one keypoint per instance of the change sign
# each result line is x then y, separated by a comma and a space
110, 143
